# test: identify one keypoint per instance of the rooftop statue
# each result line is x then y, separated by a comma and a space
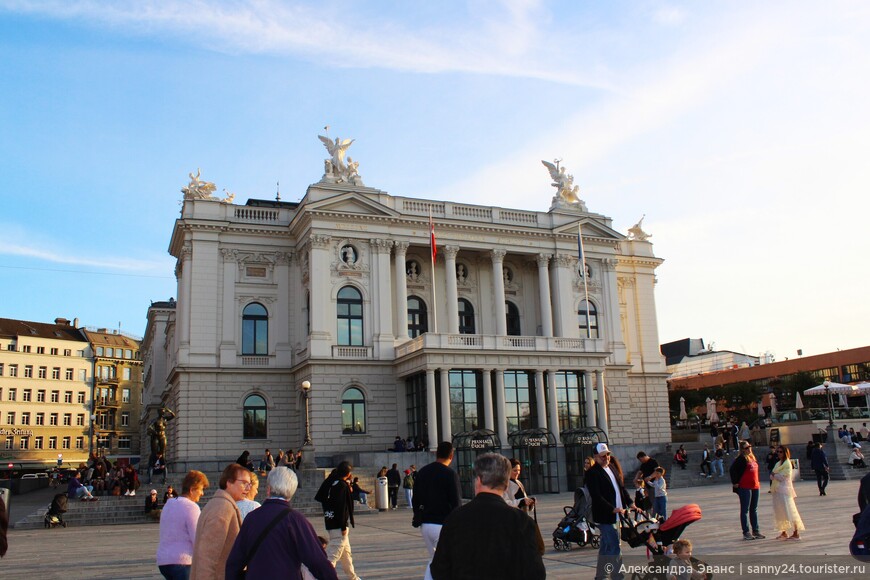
567, 194
197, 188
335, 168
636, 233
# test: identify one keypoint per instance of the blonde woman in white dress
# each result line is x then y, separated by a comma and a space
785, 513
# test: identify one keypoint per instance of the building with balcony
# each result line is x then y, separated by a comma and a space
494, 331
46, 376
117, 396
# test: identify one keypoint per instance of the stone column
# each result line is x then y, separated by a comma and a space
488, 422
446, 427
231, 313
450, 285
401, 284
501, 421
544, 291
539, 395
553, 408
602, 401
183, 271
281, 317
382, 302
431, 408
321, 308
498, 291
564, 317
589, 393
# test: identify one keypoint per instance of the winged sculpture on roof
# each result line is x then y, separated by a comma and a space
563, 181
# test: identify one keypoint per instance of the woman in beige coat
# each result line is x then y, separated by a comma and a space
219, 524
785, 513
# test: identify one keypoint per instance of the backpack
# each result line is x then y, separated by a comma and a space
408, 482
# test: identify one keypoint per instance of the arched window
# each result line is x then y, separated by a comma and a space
350, 317
587, 312
353, 412
512, 316
466, 317
418, 317
255, 329
254, 418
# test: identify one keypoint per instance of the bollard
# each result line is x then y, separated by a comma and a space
381, 498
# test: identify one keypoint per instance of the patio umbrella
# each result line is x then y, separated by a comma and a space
844, 402
798, 403
714, 417
760, 409
837, 388
772, 404
683, 415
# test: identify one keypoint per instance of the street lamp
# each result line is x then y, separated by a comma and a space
830, 406
91, 438
306, 389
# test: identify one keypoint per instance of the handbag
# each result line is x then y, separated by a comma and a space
243, 574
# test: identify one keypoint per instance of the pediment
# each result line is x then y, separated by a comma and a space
352, 203
591, 228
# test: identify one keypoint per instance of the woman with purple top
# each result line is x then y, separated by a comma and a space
178, 528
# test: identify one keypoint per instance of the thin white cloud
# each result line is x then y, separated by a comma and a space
8, 248
502, 38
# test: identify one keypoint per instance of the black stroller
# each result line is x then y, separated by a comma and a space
657, 536
54, 515
576, 527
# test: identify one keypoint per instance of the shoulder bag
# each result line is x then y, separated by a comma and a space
260, 539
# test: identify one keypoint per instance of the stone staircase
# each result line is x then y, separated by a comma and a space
691, 476
838, 461
112, 510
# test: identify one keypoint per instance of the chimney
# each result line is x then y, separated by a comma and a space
75, 322
63, 321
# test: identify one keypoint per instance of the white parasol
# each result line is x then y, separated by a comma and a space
772, 404
714, 417
760, 409
683, 414
837, 388
844, 402
798, 403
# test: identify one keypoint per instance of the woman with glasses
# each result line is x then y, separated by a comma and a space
785, 513
744, 479
219, 524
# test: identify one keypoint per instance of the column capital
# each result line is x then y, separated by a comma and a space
401, 248
543, 260
565, 260
497, 255
284, 258
320, 241
380, 246
450, 252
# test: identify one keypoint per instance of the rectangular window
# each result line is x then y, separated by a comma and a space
40, 396
125, 395
28, 371
25, 395
10, 417
66, 442
40, 350
54, 352
43, 372
55, 373
52, 419
127, 373
80, 398
67, 397
125, 419
128, 353
99, 351
465, 400
25, 348
55, 396
110, 352
67, 419
103, 442
13, 394
1, 369
67, 352
124, 442
68, 374
10, 441
83, 375
40, 418
80, 419
25, 443
52, 442
13, 370
37, 443
80, 442
25, 418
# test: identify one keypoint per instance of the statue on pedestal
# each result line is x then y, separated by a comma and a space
157, 431
197, 188
635, 232
567, 194
335, 168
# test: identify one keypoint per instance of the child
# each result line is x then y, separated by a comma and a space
306, 574
681, 567
642, 497
660, 492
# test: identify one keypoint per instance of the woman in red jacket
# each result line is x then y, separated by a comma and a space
744, 479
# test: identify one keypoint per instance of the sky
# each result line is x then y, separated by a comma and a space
740, 130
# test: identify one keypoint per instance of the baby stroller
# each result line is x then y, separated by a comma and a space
576, 527
54, 515
658, 536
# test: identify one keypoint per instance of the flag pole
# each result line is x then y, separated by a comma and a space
433, 252
583, 273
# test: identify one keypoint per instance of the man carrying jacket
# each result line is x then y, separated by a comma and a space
335, 497
609, 500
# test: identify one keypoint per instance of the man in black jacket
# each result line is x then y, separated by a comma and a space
486, 538
609, 500
394, 480
437, 492
335, 497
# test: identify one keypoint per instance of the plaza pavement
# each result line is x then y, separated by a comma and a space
385, 545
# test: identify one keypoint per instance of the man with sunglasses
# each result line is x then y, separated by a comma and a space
219, 524
604, 480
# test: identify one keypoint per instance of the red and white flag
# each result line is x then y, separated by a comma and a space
432, 246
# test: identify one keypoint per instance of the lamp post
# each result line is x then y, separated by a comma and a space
830, 406
91, 438
308, 444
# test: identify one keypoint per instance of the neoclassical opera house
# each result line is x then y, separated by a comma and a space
503, 340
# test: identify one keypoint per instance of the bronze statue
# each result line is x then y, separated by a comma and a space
157, 431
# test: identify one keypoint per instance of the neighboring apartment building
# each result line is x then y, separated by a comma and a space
156, 363
338, 290
689, 357
117, 393
45, 393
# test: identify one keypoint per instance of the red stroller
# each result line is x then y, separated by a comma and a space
657, 536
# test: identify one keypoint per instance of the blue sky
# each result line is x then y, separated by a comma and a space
740, 129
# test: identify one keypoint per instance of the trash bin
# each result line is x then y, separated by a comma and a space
381, 498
